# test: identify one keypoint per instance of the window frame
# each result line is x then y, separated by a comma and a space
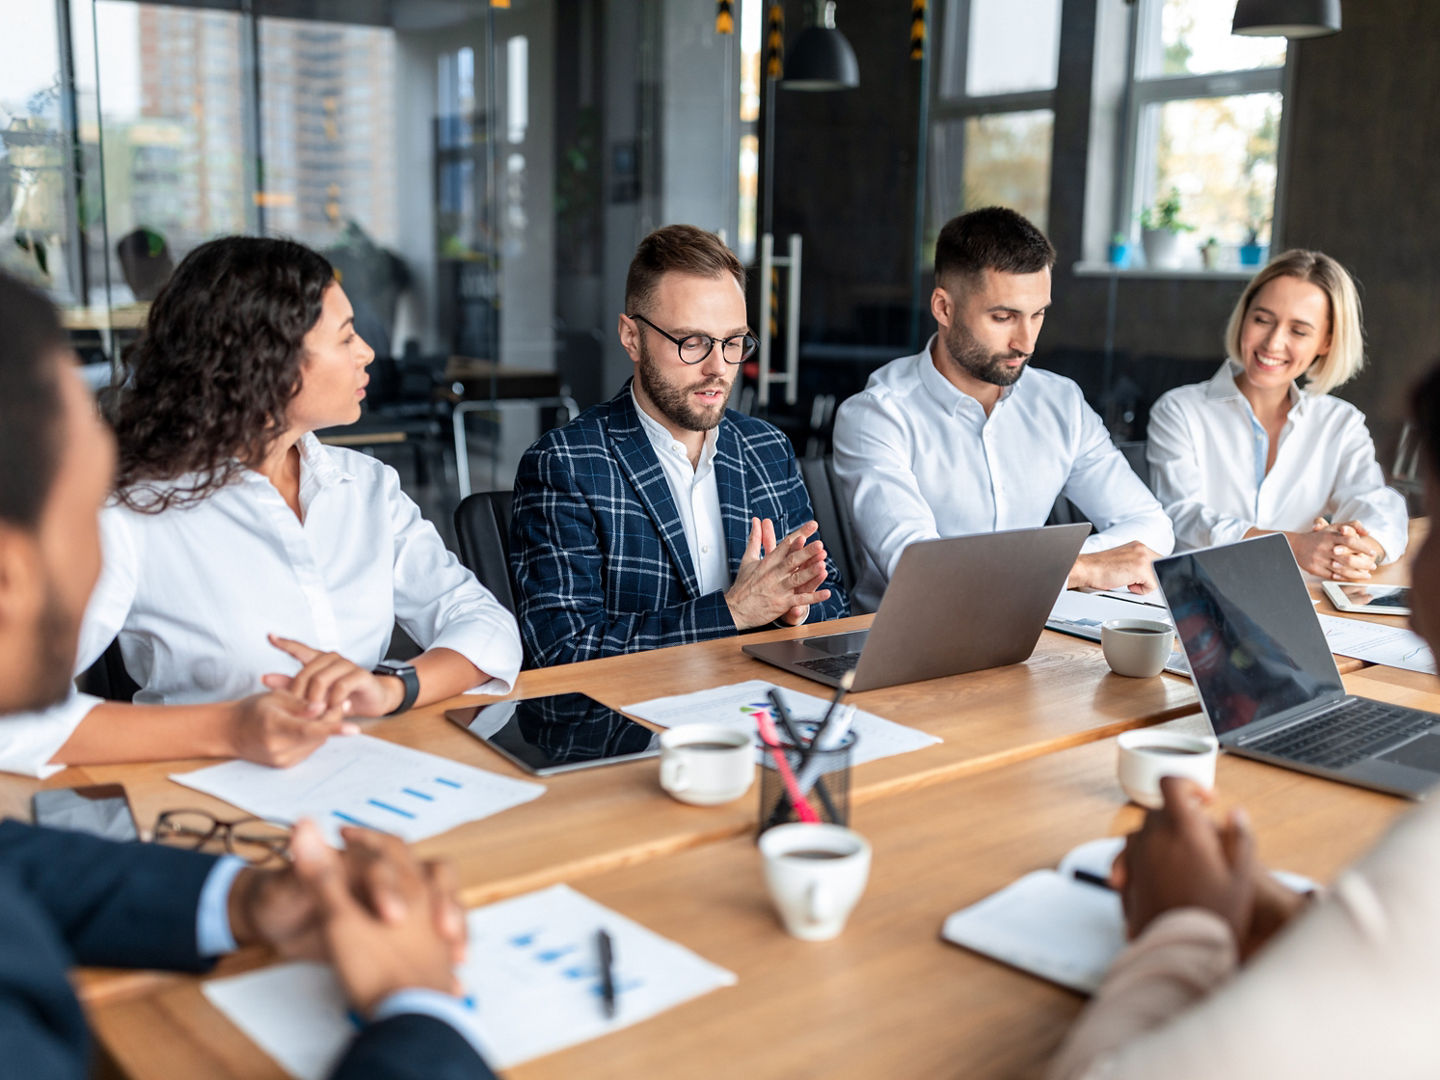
1140, 134
948, 109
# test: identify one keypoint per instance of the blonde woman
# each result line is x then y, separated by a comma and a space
1264, 447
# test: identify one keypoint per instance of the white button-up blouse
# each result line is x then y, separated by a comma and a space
192, 592
1207, 459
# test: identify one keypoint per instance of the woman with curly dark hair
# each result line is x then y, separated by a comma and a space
252, 574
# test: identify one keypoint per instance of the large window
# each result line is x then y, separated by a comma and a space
1204, 124
992, 117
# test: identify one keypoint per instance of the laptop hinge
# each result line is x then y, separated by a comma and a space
1283, 722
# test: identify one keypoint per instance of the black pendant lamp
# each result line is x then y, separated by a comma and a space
821, 58
1286, 18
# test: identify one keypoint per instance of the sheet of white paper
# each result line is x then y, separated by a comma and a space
1081, 614
532, 971
735, 706
1393, 646
360, 780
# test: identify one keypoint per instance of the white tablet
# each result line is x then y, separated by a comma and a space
1371, 599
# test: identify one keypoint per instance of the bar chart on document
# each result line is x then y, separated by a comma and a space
369, 782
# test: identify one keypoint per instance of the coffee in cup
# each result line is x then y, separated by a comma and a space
706, 764
815, 875
1138, 648
1145, 756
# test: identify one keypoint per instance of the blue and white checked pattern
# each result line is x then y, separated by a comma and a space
599, 556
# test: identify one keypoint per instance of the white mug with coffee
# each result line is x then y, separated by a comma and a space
1138, 648
816, 875
1146, 756
706, 764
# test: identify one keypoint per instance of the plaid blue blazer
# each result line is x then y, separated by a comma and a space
597, 550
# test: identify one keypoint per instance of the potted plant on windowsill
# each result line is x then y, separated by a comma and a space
1160, 229
1252, 251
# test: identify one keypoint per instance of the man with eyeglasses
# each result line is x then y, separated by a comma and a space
660, 517
388, 924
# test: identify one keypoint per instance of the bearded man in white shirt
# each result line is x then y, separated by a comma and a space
952, 441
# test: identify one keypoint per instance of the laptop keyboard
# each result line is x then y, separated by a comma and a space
1346, 735
833, 666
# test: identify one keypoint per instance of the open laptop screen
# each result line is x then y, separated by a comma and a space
1249, 631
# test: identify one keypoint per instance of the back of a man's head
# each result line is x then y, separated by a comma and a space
31, 407
993, 238
680, 249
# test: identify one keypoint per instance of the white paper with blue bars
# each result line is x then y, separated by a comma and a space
360, 780
532, 971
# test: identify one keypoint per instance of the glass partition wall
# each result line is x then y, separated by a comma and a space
478, 173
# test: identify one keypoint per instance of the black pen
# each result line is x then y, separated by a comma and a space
1093, 879
607, 972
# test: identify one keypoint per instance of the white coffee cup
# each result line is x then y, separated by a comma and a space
816, 875
1136, 647
706, 764
1146, 756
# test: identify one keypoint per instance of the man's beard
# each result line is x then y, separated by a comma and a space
55, 639
976, 360
674, 401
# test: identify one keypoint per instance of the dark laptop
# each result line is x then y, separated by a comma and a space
1268, 683
954, 605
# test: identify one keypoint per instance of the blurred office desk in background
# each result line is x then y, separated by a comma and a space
478, 385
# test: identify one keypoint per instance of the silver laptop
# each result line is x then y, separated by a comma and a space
1268, 683
953, 605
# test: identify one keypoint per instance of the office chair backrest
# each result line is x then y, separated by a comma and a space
1135, 454
832, 513
482, 532
107, 677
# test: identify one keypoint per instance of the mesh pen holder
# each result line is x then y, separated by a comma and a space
823, 774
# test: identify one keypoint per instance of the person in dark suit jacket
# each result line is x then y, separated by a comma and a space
388, 924
652, 519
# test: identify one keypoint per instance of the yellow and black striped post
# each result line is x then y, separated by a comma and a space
917, 29
724, 17
774, 304
775, 41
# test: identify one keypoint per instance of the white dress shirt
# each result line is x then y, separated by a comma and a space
919, 459
697, 498
192, 593
1207, 458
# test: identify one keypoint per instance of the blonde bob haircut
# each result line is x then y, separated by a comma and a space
1347, 336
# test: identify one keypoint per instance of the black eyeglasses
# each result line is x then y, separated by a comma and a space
696, 347
255, 840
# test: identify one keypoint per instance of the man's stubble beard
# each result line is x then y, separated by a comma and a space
55, 636
674, 402
979, 362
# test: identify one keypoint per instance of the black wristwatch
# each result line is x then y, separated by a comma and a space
406, 674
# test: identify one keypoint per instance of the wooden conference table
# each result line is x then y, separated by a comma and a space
1025, 772
887, 998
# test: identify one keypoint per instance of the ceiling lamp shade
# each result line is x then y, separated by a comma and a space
1286, 18
821, 58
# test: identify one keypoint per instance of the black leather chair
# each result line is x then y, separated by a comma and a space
107, 677
482, 532
832, 513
